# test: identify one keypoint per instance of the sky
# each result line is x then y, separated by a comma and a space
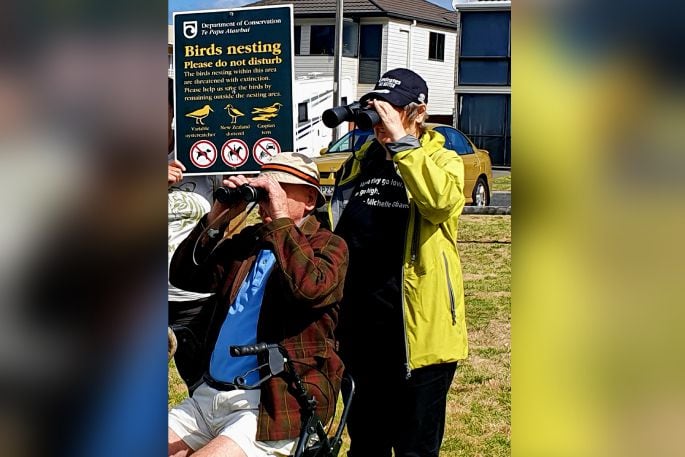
195, 5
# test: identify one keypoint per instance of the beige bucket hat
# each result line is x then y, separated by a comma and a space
295, 168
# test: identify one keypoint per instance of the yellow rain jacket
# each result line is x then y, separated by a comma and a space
433, 291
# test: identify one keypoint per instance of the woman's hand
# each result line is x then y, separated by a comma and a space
176, 170
392, 127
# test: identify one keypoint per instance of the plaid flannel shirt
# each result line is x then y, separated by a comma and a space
299, 310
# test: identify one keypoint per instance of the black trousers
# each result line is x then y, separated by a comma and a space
393, 413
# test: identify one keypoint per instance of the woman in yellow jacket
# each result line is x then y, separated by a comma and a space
402, 327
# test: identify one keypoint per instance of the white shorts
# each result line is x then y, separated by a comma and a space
210, 413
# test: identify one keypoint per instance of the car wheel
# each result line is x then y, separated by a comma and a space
481, 194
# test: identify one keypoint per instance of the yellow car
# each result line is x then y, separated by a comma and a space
477, 166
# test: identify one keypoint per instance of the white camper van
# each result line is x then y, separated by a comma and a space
313, 95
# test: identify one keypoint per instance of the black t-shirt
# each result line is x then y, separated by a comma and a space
374, 224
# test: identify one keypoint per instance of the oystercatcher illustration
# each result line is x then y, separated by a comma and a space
200, 114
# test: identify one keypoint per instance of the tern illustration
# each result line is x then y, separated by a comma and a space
264, 117
273, 109
200, 114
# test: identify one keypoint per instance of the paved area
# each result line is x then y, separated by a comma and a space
500, 198
500, 204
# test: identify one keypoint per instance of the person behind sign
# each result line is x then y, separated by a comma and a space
402, 327
280, 282
188, 200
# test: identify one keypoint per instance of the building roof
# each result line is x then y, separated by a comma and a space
421, 10
481, 4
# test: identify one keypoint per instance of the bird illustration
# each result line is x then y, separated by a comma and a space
264, 117
200, 114
273, 109
233, 112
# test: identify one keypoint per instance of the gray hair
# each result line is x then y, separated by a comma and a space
412, 110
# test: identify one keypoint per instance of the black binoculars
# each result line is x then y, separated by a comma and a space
233, 195
364, 117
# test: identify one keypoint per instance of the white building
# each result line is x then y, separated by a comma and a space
378, 36
483, 91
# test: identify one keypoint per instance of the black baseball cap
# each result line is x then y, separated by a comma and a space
399, 87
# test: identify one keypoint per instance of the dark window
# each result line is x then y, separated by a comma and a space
371, 43
455, 140
341, 145
461, 144
486, 72
436, 46
302, 112
486, 119
345, 143
298, 36
485, 51
322, 40
448, 138
350, 39
343, 101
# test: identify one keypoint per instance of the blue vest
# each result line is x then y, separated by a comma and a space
240, 326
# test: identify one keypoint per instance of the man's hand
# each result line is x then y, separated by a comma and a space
276, 204
176, 170
238, 207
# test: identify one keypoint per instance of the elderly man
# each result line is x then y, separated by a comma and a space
276, 282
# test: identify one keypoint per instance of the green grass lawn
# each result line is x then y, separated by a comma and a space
502, 183
479, 402
176, 388
478, 419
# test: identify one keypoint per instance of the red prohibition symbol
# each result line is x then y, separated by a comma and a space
234, 152
203, 154
265, 149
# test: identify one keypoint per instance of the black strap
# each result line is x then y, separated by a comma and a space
218, 385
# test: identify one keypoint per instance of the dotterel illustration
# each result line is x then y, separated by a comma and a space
233, 112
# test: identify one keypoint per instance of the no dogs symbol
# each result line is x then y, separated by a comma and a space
265, 149
203, 154
234, 153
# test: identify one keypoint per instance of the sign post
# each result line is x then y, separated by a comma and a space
233, 88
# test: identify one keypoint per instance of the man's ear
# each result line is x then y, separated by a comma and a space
310, 202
